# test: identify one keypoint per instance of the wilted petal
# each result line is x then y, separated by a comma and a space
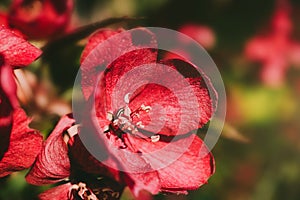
52, 164
25, 144
61, 192
16, 50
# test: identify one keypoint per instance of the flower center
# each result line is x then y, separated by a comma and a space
81, 191
122, 121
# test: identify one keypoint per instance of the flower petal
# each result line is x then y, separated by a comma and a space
3, 19
8, 102
183, 164
137, 182
61, 192
202, 87
180, 99
52, 164
105, 47
81, 159
16, 50
190, 171
25, 144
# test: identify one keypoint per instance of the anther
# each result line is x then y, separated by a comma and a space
155, 138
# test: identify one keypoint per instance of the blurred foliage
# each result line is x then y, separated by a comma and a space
267, 167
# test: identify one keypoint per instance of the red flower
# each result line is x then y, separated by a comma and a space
202, 34
40, 19
24, 145
61, 159
55, 164
133, 124
276, 51
14, 52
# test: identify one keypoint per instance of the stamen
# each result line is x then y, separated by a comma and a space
145, 108
127, 111
155, 138
140, 124
73, 130
126, 98
106, 129
82, 191
109, 116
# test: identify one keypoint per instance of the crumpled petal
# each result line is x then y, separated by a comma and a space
25, 143
61, 192
16, 50
52, 164
40, 19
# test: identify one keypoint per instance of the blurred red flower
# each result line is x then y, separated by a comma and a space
134, 126
40, 19
204, 35
19, 144
276, 50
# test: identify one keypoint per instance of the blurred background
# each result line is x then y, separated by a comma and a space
256, 46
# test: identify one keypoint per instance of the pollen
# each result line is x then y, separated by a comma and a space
155, 138
83, 191
146, 108
140, 124
109, 116
126, 98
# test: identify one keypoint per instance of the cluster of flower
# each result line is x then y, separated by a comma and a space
62, 157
